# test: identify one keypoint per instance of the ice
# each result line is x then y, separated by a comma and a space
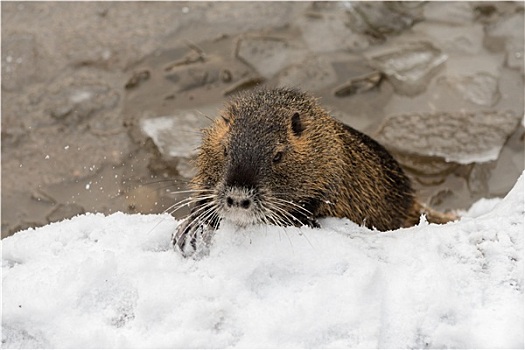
509, 33
467, 39
331, 34
177, 137
468, 83
462, 137
268, 55
409, 67
81, 96
75, 102
20, 62
311, 75
455, 12
377, 19
480, 88
113, 281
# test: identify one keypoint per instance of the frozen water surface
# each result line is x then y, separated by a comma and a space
99, 87
409, 67
462, 137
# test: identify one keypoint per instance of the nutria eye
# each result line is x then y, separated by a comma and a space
278, 156
225, 152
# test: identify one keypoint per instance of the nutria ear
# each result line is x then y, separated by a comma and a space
297, 125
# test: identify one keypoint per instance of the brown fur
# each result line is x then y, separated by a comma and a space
282, 143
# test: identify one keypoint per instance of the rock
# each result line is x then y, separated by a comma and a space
409, 67
462, 137
267, 55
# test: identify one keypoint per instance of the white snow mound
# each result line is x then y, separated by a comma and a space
113, 281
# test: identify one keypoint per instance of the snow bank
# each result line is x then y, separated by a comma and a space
97, 281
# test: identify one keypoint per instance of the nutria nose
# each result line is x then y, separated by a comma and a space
238, 202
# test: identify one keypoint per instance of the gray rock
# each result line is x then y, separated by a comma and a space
462, 137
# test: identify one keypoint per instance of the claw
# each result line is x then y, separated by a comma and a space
192, 237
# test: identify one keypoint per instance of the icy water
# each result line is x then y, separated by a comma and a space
102, 107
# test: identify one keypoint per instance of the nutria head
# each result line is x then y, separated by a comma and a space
256, 160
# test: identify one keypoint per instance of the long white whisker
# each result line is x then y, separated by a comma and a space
208, 214
284, 214
187, 201
192, 191
205, 211
293, 205
288, 217
180, 204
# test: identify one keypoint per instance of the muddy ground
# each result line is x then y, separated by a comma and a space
102, 101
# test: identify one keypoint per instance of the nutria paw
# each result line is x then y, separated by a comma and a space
192, 238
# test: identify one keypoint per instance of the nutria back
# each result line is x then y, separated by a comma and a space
275, 156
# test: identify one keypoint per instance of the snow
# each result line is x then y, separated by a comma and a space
113, 281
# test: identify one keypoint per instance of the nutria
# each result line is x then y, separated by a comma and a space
274, 156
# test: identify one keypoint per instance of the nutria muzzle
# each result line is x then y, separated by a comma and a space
239, 206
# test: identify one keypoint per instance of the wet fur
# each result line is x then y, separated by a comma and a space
284, 145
